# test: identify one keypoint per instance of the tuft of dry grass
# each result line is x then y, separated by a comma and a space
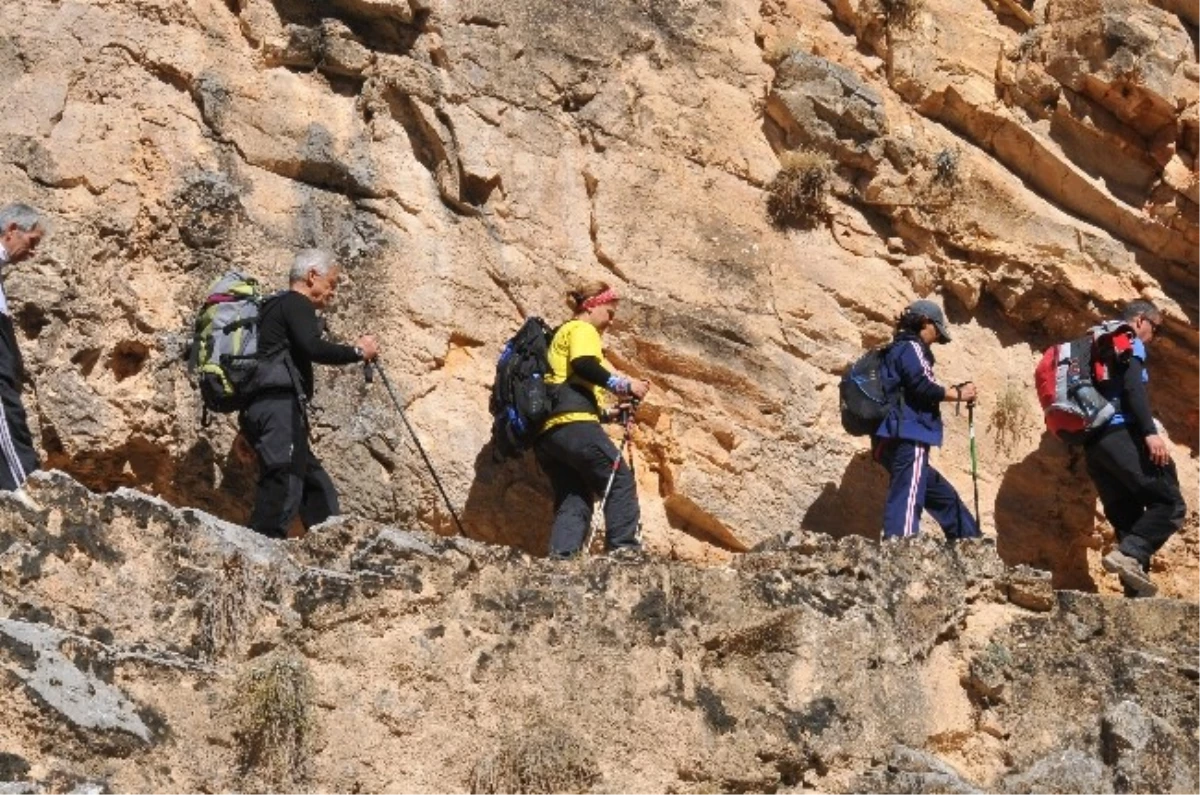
796, 195
902, 13
546, 757
1012, 419
275, 721
228, 602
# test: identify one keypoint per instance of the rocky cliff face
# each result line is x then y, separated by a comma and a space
1033, 166
148, 648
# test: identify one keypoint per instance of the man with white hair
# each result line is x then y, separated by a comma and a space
291, 479
20, 233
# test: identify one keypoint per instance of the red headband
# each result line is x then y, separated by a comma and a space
606, 297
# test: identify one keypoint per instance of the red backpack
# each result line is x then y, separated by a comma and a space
1066, 379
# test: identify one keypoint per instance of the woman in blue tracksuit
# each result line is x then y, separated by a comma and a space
914, 425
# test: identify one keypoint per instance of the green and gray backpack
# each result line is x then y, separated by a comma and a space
225, 359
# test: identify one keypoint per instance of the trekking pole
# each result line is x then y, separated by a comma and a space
598, 515
974, 459
429, 464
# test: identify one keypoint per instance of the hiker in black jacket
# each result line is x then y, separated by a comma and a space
20, 233
1130, 464
291, 479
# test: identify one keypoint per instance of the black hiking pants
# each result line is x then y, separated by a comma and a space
290, 478
17, 455
578, 457
1141, 500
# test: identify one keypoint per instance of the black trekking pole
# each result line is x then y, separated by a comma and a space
626, 444
367, 369
974, 461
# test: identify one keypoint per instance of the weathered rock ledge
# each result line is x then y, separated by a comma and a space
128, 627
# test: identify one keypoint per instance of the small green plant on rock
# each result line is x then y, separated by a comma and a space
945, 167
1012, 419
796, 195
545, 757
274, 720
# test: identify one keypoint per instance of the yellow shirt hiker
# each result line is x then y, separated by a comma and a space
572, 449
574, 340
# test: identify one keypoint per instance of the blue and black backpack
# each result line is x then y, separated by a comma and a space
521, 399
864, 397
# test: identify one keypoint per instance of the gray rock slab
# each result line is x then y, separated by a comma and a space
85, 700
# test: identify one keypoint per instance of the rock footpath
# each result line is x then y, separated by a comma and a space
137, 641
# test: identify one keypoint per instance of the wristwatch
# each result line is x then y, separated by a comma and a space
359, 353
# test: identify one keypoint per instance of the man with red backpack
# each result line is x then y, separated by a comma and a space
1130, 464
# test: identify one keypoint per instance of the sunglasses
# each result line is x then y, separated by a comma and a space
1154, 327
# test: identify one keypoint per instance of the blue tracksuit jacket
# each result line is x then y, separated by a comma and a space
908, 366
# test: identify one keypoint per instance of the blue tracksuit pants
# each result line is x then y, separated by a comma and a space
917, 486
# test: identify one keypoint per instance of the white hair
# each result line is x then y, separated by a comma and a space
311, 259
24, 216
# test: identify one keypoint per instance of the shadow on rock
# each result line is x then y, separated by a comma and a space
196, 481
510, 502
1046, 514
222, 484
855, 507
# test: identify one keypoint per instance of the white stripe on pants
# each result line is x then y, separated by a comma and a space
9, 451
911, 521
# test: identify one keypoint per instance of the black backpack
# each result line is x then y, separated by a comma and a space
865, 400
521, 398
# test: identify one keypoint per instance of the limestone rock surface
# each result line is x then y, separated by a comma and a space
1033, 167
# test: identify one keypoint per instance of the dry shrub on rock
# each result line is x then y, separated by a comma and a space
902, 13
544, 757
1012, 420
274, 720
228, 602
796, 195
945, 167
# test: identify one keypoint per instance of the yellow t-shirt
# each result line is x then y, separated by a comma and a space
573, 339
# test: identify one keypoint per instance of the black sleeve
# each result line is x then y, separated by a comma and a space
1135, 402
304, 335
589, 369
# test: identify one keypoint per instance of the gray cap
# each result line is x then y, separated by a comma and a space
935, 314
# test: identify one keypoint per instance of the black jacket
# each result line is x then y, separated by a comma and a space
12, 366
289, 323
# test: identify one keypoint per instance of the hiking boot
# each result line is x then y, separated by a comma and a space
1130, 572
979, 540
627, 555
22, 498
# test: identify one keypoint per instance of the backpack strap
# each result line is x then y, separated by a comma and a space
898, 415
